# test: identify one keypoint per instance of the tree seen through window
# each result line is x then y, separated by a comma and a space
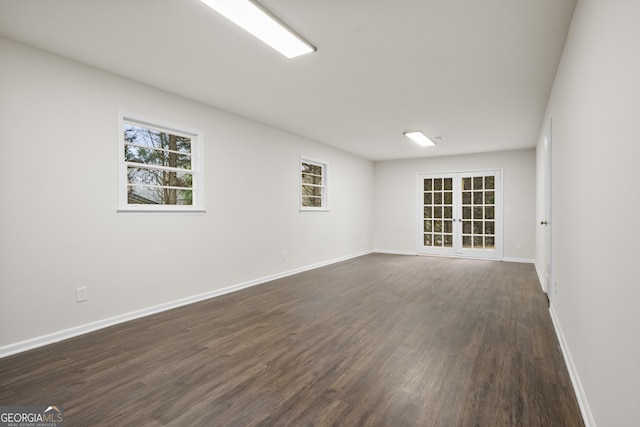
159, 166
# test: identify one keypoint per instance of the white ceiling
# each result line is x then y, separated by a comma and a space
477, 72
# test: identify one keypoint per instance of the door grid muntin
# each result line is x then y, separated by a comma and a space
438, 214
478, 203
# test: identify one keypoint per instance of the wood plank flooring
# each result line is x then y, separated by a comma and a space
380, 340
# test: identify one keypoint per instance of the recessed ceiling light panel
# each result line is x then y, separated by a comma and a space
419, 138
259, 22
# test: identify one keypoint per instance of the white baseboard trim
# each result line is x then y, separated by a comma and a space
585, 409
75, 331
523, 260
392, 252
541, 278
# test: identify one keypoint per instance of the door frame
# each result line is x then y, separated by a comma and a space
547, 222
457, 250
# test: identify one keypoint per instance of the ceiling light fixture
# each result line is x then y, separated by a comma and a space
419, 138
261, 23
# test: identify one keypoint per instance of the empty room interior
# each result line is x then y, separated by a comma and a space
198, 228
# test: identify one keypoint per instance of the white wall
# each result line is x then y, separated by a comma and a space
595, 108
395, 223
58, 223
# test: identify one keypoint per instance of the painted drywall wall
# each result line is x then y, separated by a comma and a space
395, 223
59, 228
595, 110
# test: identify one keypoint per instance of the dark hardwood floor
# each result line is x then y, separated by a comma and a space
381, 340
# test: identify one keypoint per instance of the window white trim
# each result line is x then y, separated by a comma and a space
196, 171
322, 185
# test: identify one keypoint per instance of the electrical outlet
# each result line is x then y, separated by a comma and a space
81, 294
284, 255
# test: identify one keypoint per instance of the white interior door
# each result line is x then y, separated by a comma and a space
460, 214
437, 215
546, 222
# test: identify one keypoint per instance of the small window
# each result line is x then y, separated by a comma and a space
159, 168
313, 178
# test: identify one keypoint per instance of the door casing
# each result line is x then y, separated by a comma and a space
458, 250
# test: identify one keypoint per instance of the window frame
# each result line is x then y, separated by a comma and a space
197, 165
324, 186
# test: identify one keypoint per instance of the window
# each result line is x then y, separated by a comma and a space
159, 167
313, 179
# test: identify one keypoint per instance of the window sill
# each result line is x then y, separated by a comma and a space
313, 210
170, 211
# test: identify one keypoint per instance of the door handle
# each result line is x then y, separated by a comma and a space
544, 223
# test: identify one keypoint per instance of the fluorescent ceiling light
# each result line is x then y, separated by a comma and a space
419, 138
262, 24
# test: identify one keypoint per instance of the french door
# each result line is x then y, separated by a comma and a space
460, 214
